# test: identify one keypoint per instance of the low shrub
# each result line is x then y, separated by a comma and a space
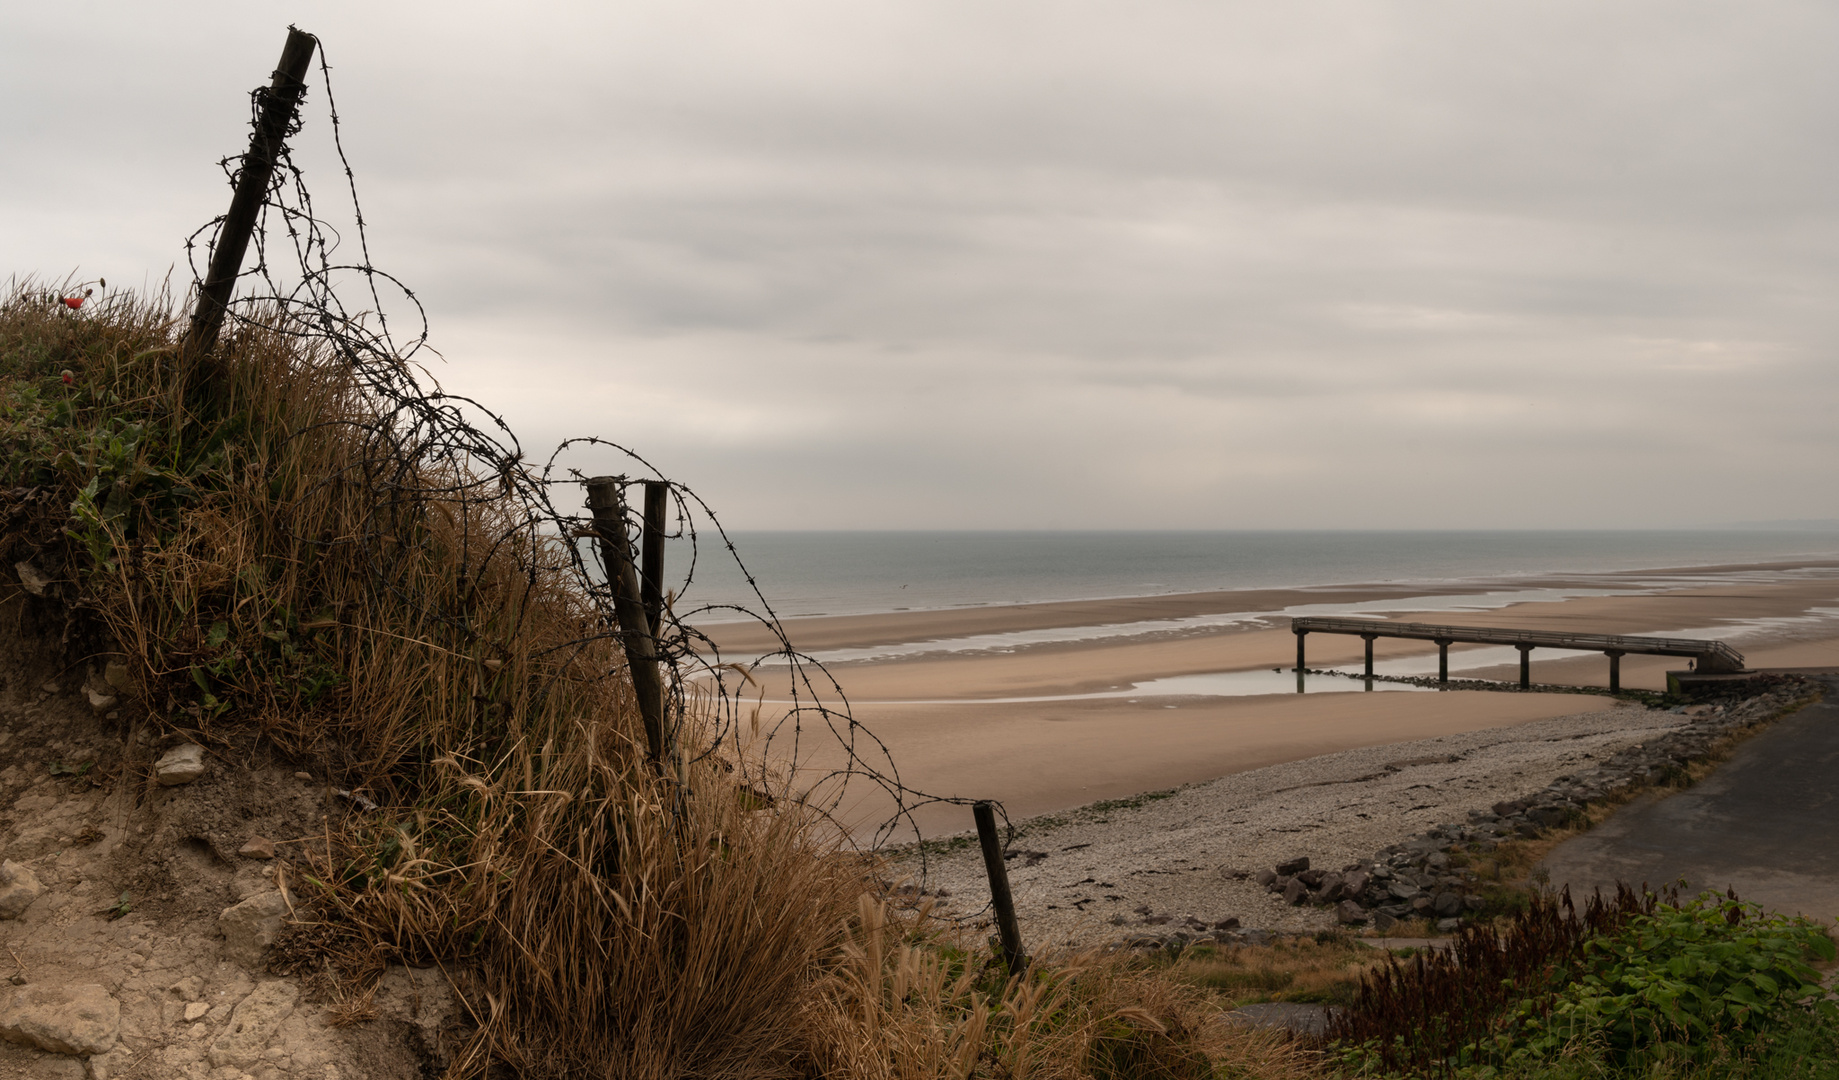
1685, 983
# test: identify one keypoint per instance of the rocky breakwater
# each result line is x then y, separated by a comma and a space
1425, 876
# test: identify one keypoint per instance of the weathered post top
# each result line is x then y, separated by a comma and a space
280, 104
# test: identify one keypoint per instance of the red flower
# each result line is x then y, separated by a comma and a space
69, 378
73, 302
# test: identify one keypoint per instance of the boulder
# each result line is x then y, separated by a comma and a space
1448, 904
1383, 922
1332, 887
19, 886
1347, 912
1355, 882
64, 1019
180, 765
249, 928
1296, 892
1265, 877
253, 1024
1293, 866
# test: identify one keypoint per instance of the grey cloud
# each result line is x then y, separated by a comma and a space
958, 263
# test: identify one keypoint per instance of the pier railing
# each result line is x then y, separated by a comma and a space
1711, 656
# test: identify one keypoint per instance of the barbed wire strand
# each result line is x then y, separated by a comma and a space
419, 436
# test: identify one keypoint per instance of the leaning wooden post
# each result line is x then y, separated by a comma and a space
252, 180
606, 499
651, 553
1009, 931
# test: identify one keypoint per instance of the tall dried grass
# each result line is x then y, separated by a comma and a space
271, 547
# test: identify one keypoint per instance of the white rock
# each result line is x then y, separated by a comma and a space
254, 1023
249, 928
100, 702
32, 578
180, 765
79, 1019
18, 888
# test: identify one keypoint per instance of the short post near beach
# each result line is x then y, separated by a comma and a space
1001, 902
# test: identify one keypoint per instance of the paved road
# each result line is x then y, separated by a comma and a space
1765, 823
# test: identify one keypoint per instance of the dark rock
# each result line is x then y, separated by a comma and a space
1296, 892
1347, 912
1448, 903
1437, 861
1356, 882
1549, 817
1312, 878
1422, 904
1293, 866
1331, 888
1448, 926
1472, 902
1265, 877
1227, 924
1383, 922
1403, 890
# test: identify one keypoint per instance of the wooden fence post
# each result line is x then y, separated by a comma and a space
606, 499
252, 180
651, 554
1008, 930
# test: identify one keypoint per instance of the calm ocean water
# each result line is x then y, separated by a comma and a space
836, 573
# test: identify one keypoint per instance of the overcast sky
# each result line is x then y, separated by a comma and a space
993, 264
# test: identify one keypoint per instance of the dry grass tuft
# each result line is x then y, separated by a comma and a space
270, 548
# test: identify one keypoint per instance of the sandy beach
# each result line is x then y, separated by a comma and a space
1032, 706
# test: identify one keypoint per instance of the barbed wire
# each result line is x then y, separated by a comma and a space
426, 446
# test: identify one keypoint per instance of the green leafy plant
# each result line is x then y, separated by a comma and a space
1674, 984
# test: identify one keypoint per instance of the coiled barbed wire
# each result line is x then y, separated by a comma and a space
419, 435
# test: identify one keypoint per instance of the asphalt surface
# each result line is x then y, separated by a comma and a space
1765, 823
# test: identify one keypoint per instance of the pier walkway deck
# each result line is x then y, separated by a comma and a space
1711, 656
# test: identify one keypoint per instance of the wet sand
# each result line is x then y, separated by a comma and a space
933, 709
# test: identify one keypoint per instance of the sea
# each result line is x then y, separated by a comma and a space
800, 574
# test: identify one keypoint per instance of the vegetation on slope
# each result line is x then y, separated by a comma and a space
273, 550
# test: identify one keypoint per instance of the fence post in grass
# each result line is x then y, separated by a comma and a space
651, 553
1007, 929
606, 499
279, 105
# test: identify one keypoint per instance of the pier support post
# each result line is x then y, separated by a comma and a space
1525, 665
1368, 638
1300, 635
1009, 931
1615, 670
1443, 660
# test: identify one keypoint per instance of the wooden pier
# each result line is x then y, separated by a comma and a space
1711, 656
